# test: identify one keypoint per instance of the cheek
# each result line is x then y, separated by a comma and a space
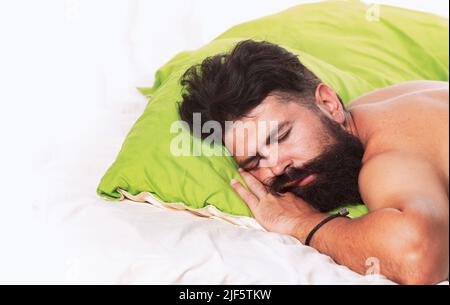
302, 146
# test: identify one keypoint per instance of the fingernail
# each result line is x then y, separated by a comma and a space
240, 170
233, 181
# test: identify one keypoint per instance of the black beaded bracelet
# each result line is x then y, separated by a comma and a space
342, 213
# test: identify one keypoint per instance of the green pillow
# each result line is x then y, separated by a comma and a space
340, 41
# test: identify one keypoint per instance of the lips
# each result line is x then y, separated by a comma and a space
307, 180
302, 182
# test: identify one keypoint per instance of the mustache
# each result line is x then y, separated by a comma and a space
280, 184
325, 166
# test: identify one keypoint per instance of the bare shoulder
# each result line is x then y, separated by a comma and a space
415, 122
409, 88
396, 179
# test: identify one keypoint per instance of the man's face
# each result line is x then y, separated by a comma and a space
306, 153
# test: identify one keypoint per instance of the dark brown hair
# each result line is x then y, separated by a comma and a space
226, 87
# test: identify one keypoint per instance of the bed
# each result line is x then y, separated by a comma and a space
81, 238
90, 240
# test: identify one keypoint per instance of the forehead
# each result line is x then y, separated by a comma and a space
261, 121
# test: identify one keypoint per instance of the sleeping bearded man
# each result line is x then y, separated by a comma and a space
388, 149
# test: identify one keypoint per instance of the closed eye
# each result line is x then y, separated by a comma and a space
255, 161
283, 137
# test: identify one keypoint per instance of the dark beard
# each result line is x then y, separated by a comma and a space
337, 170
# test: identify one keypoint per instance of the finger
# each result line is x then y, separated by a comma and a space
250, 199
255, 186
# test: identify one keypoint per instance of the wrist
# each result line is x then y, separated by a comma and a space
307, 224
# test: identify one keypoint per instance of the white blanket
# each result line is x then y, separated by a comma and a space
131, 243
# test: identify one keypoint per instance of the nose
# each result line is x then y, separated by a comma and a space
280, 168
267, 173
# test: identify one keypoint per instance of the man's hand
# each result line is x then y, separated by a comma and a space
286, 214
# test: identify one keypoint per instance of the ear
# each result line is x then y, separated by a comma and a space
328, 101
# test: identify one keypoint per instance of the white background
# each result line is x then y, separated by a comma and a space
68, 72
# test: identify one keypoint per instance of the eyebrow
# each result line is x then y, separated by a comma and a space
272, 134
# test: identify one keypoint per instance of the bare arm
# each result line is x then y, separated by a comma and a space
407, 229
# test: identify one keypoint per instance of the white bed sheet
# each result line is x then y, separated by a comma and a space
132, 243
